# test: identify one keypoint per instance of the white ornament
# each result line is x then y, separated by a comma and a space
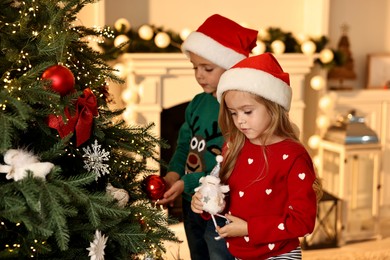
121, 195
212, 191
95, 158
96, 249
19, 162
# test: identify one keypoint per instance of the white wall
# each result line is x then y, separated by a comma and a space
369, 30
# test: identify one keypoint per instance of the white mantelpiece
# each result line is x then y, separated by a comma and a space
164, 80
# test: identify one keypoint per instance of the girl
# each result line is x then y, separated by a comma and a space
273, 186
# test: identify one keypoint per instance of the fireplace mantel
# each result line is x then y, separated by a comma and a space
164, 80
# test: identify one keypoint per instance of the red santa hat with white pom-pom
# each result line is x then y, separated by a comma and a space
221, 41
261, 75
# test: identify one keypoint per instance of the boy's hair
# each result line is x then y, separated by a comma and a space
221, 41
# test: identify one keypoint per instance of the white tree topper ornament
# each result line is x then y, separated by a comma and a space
213, 193
19, 162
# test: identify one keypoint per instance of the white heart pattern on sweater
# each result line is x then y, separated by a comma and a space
246, 238
281, 226
285, 156
241, 193
268, 191
250, 160
302, 176
271, 246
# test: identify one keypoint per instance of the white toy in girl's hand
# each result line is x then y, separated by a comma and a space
213, 193
20, 161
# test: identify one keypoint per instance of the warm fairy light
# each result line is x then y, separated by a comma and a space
325, 103
278, 47
260, 48
122, 25
317, 82
146, 32
326, 56
184, 34
314, 141
162, 40
308, 47
264, 34
322, 122
121, 39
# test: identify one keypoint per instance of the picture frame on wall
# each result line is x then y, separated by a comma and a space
378, 71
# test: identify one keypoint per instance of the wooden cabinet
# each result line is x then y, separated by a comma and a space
374, 106
351, 172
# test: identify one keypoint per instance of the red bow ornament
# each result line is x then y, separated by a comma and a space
81, 122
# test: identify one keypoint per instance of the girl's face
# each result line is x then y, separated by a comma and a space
250, 117
207, 74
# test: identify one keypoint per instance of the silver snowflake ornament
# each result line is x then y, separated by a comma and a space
95, 158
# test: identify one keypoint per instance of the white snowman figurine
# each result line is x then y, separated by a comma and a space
213, 193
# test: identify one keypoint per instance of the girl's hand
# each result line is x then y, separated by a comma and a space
196, 203
236, 228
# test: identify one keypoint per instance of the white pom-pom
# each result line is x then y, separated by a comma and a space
219, 158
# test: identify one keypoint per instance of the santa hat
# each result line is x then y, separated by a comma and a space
261, 75
221, 41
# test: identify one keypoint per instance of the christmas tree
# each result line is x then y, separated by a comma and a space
70, 169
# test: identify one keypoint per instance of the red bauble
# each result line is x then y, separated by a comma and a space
154, 186
62, 79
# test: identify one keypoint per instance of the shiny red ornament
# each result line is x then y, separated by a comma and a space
154, 186
62, 79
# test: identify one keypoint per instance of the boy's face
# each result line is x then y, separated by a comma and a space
207, 74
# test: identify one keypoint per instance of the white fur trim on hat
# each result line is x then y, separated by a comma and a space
208, 48
257, 82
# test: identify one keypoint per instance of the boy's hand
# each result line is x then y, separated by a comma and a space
172, 193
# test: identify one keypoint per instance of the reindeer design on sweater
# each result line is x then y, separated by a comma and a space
199, 145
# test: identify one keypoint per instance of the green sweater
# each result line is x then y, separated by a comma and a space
199, 142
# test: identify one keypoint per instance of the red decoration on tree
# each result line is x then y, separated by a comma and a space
62, 79
81, 121
154, 186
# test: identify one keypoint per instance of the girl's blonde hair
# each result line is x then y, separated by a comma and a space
280, 125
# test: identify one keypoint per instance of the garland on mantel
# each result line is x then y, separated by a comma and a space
153, 39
